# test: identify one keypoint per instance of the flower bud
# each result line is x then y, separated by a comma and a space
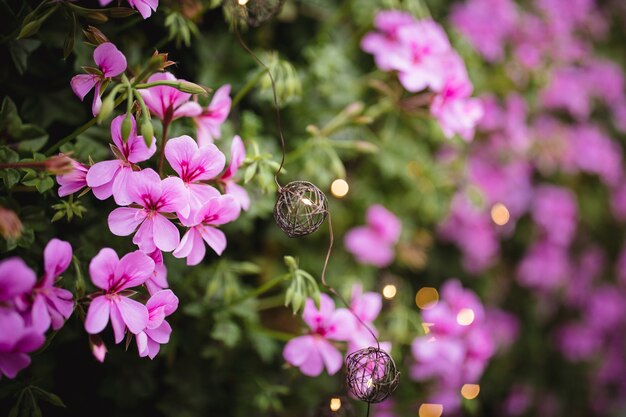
127, 126
108, 104
147, 131
30, 29
187, 87
97, 17
59, 164
98, 348
10, 225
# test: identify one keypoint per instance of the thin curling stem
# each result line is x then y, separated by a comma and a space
332, 290
278, 122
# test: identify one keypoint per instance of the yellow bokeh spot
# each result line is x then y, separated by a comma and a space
339, 188
426, 298
430, 410
389, 291
500, 214
243, 2
306, 202
470, 391
465, 317
335, 404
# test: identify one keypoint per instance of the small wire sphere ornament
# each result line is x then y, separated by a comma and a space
371, 374
301, 208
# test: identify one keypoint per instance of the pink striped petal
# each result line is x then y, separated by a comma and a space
102, 268
215, 238
109, 59
124, 220
166, 235
82, 84
134, 314
134, 269
97, 315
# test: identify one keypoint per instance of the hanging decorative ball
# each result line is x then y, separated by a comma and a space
301, 208
371, 374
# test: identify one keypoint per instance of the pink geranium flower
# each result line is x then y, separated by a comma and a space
16, 278
155, 197
158, 280
52, 305
111, 63
16, 339
113, 275
209, 122
157, 331
385, 45
373, 243
216, 211
366, 306
144, 7
237, 156
74, 181
195, 164
312, 352
168, 103
108, 178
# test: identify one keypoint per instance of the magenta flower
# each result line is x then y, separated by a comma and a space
168, 103
156, 197
158, 281
113, 177
312, 352
373, 244
74, 181
16, 278
209, 122
16, 339
237, 156
144, 7
455, 111
195, 164
111, 63
113, 276
216, 211
545, 266
157, 331
366, 307
52, 305
555, 211
385, 45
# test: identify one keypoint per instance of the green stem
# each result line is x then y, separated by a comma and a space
262, 289
166, 124
246, 88
275, 334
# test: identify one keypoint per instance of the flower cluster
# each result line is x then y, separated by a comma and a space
459, 342
374, 243
420, 52
29, 307
314, 352
200, 196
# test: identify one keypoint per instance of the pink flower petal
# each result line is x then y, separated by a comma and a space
314, 317
240, 194
133, 270
102, 268
179, 152
330, 355
191, 247
134, 314
215, 238
109, 59
341, 325
121, 186
144, 238
164, 298
57, 257
237, 155
174, 196
16, 278
97, 315
117, 322
161, 334
166, 235
124, 220
188, 109
298, 350
40, 319
102, 173
82, 84
12, 363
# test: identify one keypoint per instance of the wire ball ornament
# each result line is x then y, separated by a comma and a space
371, 374
301, 208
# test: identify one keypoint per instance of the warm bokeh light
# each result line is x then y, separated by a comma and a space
470, 391
465, 317
306, 202
339, 188
389, 291
426, 297
430, 410
500, 214
335, 404
243, 2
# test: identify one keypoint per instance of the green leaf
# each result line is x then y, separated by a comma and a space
227, 332
250, 171
20, 50
48, 397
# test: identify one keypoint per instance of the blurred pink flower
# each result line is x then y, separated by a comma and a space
366, 306
385, 45
193, 165
167, 103
578, 341
144, 7
555, 211
545, 266
158, 281
158, 330
237, 156
113, 177
74, 181
52, 305
596, 153
16, 338
156, 197
314, 352
215, 212
114, 276
209, 122
16, 278
111, 63
373, 244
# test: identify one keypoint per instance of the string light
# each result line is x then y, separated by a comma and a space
430, 410
426, 298
389, 291
243, 2
339, 188
335, 404
500, 214
470, 391
465, 317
